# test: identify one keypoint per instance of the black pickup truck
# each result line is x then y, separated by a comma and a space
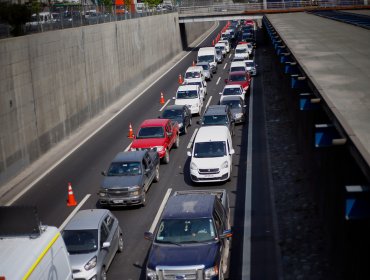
192, 239
128, 178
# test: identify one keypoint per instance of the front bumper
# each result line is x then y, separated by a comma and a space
221, 176
111, 200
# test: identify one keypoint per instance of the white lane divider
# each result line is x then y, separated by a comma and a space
218, 80
165, 104
209, 101
246, 272
74, 211
225, 65
229, 55
160, 210
192, 138
128, 147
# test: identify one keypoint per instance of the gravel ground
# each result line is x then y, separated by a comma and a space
302, 238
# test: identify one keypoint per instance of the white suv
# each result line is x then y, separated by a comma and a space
190, 96
211, 158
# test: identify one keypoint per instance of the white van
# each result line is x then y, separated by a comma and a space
238, 66
208, 54
38, 257
189, 95
211, 157
194, 72
227, 44
242, 51
221, 47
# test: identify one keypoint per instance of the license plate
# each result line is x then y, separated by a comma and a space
118, 201
208, 176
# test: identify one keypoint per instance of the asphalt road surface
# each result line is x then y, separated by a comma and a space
253, 253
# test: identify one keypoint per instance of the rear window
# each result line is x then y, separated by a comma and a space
151, 132
188, 94
231, 91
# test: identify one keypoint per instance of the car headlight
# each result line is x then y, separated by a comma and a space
91, 263
238, 115
193, 166
133, 149
102, 193
225, 164
158, 148
210, 272
151, 274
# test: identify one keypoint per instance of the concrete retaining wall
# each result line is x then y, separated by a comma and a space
53, 82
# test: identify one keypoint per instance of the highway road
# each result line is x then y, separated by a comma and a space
253, 253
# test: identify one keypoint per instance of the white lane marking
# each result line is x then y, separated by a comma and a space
74, 211
218, 80
20, 194
128, 147
209, 101
248, 197
192, 138
160, 210
225, 65
165, 104
229, 55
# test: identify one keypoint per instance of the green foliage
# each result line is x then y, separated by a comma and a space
153, 3
16, 16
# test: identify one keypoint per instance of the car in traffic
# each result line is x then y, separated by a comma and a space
194, 72
241, 78
233, 90
237, 107
160, 135
128, 178
180, 114
208, 54
221, 47
227, 45
193, 237
200, 83
92, 237
251, 67
212, 154
218, 115
242, 51
236, 66
206, 69
190, 96
219, 56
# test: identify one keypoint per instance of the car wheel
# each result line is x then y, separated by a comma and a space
156, 177
103, 274
166, 158
120, 243
177, 142
143, 201
185, 129
190, 121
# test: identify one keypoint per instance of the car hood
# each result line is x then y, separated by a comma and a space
183, 255
208, 163
236, 110
148, 143
116, 182
186, 101
78, 261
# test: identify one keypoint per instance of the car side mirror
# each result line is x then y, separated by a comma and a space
226, 234
104, 173
174, 98
188, 153
105, 245
147, 170
232, 151
244, 106
149, 235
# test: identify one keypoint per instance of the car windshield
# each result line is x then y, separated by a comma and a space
220, 48
81, 241
191, 75
171, 114
250, 64
238, 59
151, 132
237, 78
237, 68
232, 91
124, 169
232, 103
210, 149
188, 94
206, 58
180, 231
205, 66
214, 120
194, 83
240, 50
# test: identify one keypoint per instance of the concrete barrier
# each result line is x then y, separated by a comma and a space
51, 83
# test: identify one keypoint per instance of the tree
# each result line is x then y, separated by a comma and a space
16, 16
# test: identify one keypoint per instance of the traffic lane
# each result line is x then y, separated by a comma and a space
83, 167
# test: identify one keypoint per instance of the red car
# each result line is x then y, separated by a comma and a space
159, 135
239, 78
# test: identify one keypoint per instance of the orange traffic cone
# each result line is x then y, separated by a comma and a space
162, 99
71, 201
180, 79
193, 63
213, 42
130, 132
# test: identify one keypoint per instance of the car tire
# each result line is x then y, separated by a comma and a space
143, 201
120, 243
166, 158
156, 176
185, 129
190, 121
177, 142
103, 274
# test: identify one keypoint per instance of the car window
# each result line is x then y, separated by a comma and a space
104, 233
109, 221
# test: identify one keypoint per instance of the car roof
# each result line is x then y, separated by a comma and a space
242, 46
237, 63
194, 68
220, 44
216, 110
175, 107
86, 219
199, 80
237, 73
232, 97
188, 87
189, 206
154, 122
129, 156
233, 86
212, 133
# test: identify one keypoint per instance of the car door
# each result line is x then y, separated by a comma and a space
113, 234
105, 254
147, 176
170, 136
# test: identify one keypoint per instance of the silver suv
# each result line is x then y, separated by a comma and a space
92, 238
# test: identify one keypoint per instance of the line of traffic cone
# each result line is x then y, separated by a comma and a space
162, 99
130, 132
71, 201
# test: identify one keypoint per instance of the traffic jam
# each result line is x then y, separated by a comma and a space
191, 235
